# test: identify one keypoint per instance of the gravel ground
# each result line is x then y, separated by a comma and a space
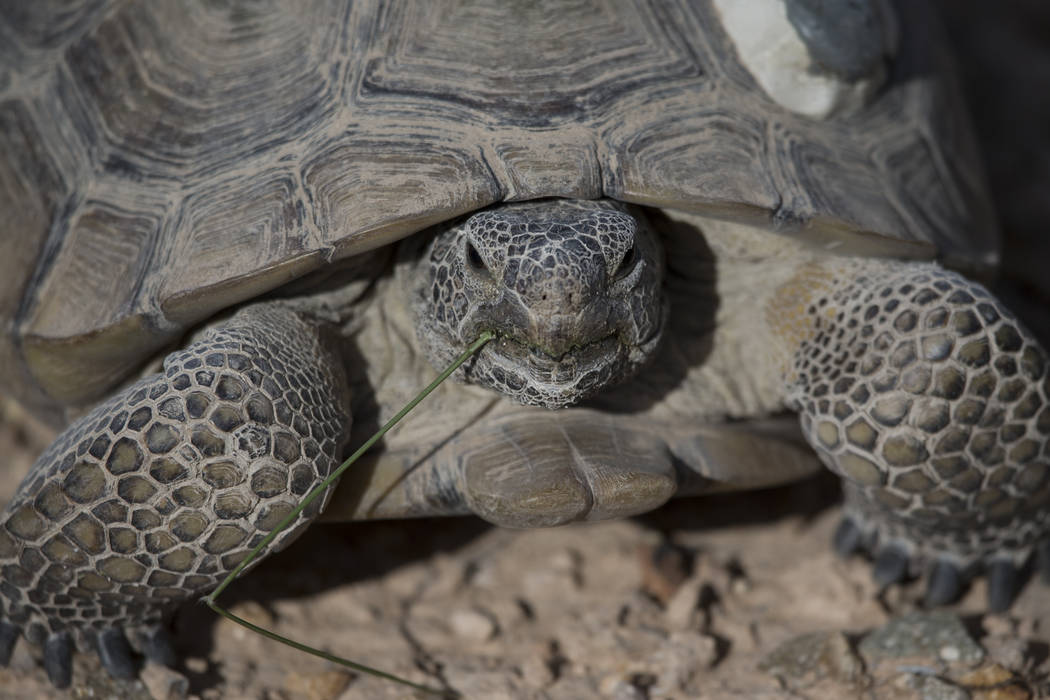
734, 596
722, 597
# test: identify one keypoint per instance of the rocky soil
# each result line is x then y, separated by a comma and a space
733, 596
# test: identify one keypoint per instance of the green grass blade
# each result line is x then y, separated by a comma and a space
209, 599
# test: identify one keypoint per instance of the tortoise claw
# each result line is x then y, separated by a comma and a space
1003, 583
1042, 560
8, 636
58, 659
944, 584
115, 654
847, 539
891, 566
157, 646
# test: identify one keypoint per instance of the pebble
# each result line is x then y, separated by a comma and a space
664, 569
1011, 651
252, 612
817, 654
934, 688
616, 687
993, 682
164, 683
999, 625
474, 625
682, 607
536, 671
675, 665
486, 685
936, 635
325, 685
569, 562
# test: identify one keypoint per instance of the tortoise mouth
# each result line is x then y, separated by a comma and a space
532, 376
529, 375
557, 368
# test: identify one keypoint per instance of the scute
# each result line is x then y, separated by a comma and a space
209, 153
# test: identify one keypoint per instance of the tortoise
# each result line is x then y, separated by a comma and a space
685, 222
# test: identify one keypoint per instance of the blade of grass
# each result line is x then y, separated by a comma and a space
209, 599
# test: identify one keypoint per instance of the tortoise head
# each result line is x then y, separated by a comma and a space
571, 288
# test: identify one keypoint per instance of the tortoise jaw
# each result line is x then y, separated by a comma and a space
531, 376
545, 365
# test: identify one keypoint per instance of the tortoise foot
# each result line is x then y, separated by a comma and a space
932, 402
118, 656
156, 495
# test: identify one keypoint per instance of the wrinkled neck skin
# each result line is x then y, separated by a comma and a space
573, 290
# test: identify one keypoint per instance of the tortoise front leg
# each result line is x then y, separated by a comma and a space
155, 495
930, 400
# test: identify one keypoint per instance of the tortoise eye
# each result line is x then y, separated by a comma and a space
627, 262
474, 260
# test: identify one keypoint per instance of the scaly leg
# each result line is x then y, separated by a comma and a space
930, 400
155, 495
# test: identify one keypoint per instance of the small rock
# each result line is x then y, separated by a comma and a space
477, 683
22, 659
473, 624
617, 687
164, 683
326, 685
938, 635
1010, 651
563, 576
681, 608
569, 560
447, 575
641, 610
992, 674
934, 688
408, 581
999, 625
254, 613
195, 664
993, 682
664, 569
677, 663
1027, 627
739, 586
814, 656
536, 672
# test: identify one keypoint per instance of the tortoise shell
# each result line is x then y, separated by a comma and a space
163, 161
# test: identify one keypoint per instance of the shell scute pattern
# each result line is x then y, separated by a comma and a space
182, 508
949, 445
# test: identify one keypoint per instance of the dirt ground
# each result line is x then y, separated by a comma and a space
733, 596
